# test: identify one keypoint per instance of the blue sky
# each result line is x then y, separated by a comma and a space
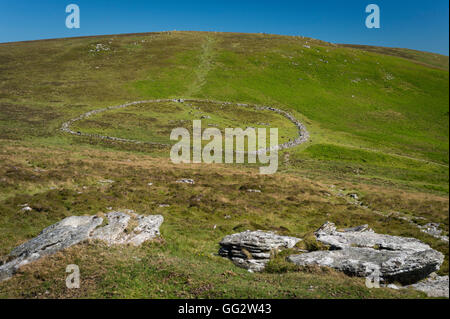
415, 24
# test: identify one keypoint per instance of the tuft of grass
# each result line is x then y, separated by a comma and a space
310, 243
278, 263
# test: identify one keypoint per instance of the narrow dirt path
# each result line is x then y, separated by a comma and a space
205, 65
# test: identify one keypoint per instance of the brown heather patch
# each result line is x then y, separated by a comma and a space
189, 240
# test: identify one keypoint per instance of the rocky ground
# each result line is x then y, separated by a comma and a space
357, 251
116, 228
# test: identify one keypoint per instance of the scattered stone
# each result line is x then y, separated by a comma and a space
253, 249
354, 196
388, 77
196, 198
433, 229
359, 251
75, 229
99, 47
254, 190
150, 184
186, 181
164, 205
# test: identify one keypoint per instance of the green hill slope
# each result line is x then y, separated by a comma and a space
350, 97
378, 120
430, 59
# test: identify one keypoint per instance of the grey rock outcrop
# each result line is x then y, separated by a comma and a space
114, 233
403, 267
252, 249
360, 252
76, 229
435, 286
363, 236
70, 231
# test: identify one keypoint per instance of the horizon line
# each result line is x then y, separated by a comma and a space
255, 33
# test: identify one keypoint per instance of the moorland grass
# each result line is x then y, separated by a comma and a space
378, 123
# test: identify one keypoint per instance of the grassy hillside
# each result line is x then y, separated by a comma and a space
378, 122
430, 59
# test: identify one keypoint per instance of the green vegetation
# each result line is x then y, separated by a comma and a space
430, 59
154, 121
378, 122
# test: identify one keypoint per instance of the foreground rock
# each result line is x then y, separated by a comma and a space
361, 252
392, 266
434, 286
75, 229
117, 230
252, 249
362, 236
68, 232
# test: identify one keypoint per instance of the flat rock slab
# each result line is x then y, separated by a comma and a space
359, 251
252, 249
391, 266
362, 236
121, 228
115, 232
68, 232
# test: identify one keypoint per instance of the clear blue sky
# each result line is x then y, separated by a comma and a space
415, 24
